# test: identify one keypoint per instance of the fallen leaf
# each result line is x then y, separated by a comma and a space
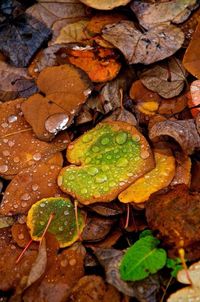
152, 14
195, 184
19, 148
155, 180
6, 221
30, 185
63, 225
73, 32
182, 210
93, 289
189, 293
21, 38
183, 131
167, 80
66, 88
39, 266
48, 11
198, 123
122, 115
143, 258
105, 4
189, 26
21, 236
107, 209
102, 178
183, 170
194, 98
97, 228
142, 290
101, 64
108, 242
15, 83
154, 45
191, 60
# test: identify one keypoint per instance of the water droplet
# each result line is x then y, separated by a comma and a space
95, 149
87, 92
4, 125
72, 262
23, 204
60, 180
6, 153
15, 206
3, 169
66, 213
121, 138
122, 162
144, 154
105, 141
57, 122
87, 138
60, 228
105, 168
35, 187
16, 159
92, 170
11, 143
64, 263
100, 178
112, 184
136, 138
12, 118
37, 156
21, 236
42, 223
25, 196
42, 205
71, 177
109, 156
84, 191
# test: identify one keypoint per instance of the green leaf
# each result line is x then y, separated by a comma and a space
175, 265
142, 259
145, 233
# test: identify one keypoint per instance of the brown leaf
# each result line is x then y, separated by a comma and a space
195, 183
66, 88
184, 132
182, 210
15, 82
154, 45
151, 14
97, 228
21, 236
105, 4
167, 79
189, 26
19, 148
49, 11
191, 59
107, 209
183, 170
30, 185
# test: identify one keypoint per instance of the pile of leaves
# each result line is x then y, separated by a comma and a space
99, 150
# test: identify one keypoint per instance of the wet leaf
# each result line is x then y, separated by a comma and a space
19, 148
167, 80
182, 210
112, 155
154, 45
49, 12
63, 224
194, 100
198, 123
122, 115
142, 290
6, 221
39, 266
66, 88
142, 259
105, 4
101, 64
107, 209
155, 180
151, 14
15, 83
191, 60
189, 26
21, 236
97, 228
183, 131
30, 185
183, 170
20, 39
189, 293
195, 184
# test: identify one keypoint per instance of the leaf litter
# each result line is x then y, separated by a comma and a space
99, 150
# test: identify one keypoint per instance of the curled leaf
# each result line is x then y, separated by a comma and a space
154, 45
63, 224
155, 180
110, 157
184, 132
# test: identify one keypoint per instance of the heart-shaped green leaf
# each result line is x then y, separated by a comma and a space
63, 224
110, 157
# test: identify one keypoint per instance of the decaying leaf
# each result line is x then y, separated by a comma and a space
182, 210
15, 83
107, 209
189, 26
63, 225
191, 60
195, 184
183, 131
194, 98
49, 12
101, 64
30, 185
19, 148
110, 157
21, 38
105, 4
151, 14
66, 88
142, 290
183, 170
122, 115
189, 293
167, 80
154, 45
6, 221
155, 180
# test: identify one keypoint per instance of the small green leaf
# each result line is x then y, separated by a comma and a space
142, 259
175, 265
146, 233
